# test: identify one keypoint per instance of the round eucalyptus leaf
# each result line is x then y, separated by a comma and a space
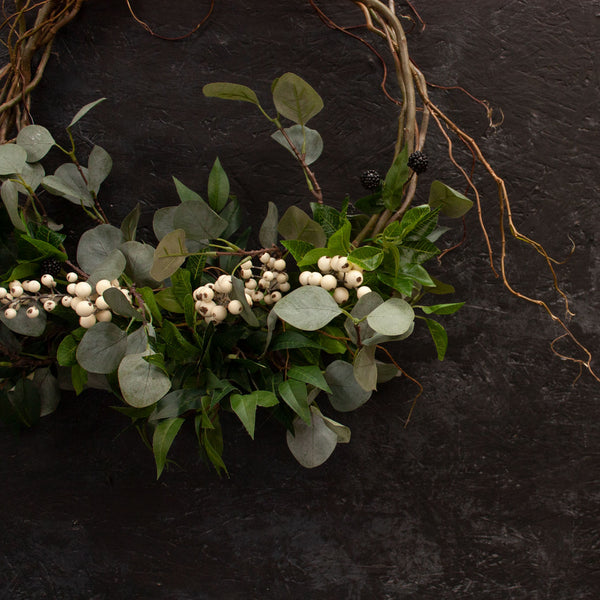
139, 262
308, 308
32, 174
12, 159
311, 444
102, 348
99, 167
141, 383
111, 268
68, 182
394, 317
295, 99
304, 139
36, 141
96, 244
23, 325
347, 393
162, 222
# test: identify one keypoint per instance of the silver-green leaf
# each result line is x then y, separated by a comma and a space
308, 308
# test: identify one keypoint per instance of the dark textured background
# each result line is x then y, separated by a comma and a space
493, 491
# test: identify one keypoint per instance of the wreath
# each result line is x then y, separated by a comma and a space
202, 321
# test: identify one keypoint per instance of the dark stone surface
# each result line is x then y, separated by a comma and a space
493, 490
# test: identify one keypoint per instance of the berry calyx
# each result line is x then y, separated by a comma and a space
418, 162
371, 180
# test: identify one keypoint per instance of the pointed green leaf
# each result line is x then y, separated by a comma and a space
65, 353
442, 309
245, 408
366, 257
439, 336
395, 180
230, 91
83, 111
295, 395
452, 203
130, 223
310, 374
163, 437
218, 187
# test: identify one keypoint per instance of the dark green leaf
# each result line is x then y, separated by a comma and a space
163, 437
442, 309
130, 223
295, 99
395, 180
295, 395
439, 336
295, 224
452, 203
218, 187
310, 374
245, 408
65, 353
268, 230
339, 242
367, 257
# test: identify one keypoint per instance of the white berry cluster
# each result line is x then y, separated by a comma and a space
338, 275
29, 294
268, 282
214, 303
89, 303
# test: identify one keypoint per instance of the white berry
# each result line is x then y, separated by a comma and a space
276, 296
361, 291
303, 278
251, 284
353, 279
10, 313
284, 287
315, 278
85, 308
83, 289
102, 286
341, 295
47, 280
264, 258
103, 316
32, 286
32, 312
279, 265
49, 305
219, 313
246, 266
16, 291
101, 303
3, 292
66, 300
87, 322
328, 282
72, 277
324, 264
235, 307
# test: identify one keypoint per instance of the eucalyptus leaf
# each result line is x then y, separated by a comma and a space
308, 308
119, 304
111, 268
162, 439
12, 159
83, 111
365, 369
393, 317
48, 390
68, 182
313, 443
346, 394
341, 431
386, 371
230, 91
99, 167
198, 220
32, 176
295, 99
308, 142
141, 383
137, 342
102, 348
36, 141
169, 255
139, 258
96, 244
23, 325
162, 221
10, 198
268, 230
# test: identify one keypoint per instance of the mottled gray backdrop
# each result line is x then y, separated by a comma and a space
493, 491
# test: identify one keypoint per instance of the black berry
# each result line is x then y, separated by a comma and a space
371, 179
418, 162
51, 266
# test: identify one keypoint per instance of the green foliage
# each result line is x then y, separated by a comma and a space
200, 325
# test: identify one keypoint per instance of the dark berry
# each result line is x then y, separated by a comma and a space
418, 162
371, 180
51, 266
